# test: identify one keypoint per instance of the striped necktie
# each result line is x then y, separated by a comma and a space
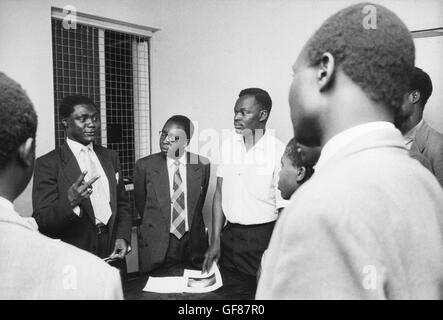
178, 223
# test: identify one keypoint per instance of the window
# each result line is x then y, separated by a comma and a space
108, 61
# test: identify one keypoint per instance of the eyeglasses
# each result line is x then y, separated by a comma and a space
170, 137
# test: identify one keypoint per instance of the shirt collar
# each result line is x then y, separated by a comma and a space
6, 204
260, 144
77, 147
12, 216
171, 161
410, 135
339, 141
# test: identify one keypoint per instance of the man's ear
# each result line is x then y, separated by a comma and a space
263, 115
65, 123
414, 96
326, 71
301, 172
26, 152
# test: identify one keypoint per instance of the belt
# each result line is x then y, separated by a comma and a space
101, 228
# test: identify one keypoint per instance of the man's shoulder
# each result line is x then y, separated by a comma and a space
51, 155
36, 267
151, 159
106, 151
194, 158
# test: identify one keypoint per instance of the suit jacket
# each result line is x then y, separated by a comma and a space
429, 143
368, 225
54, 173
153, 202
33, 266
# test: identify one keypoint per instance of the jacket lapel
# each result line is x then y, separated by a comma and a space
161, 185
193, 185
72, 171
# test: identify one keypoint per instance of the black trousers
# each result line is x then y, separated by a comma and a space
179, 251
242, 246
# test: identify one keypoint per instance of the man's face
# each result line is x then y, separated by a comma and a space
173, 140
83, 124
288, 178
304, 103
248, 116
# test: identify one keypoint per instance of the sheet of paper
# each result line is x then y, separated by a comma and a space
165, 284
197, 282
192, 281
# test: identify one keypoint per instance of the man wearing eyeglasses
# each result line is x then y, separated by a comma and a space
170, 190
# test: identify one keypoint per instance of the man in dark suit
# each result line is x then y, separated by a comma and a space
170, 189
425, 143
78, 193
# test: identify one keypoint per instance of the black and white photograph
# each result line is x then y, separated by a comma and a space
294, 146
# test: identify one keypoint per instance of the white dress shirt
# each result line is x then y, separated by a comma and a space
250, 192
339, 141
76, 149
182, 169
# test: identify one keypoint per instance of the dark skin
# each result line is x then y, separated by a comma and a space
249, 121
15, 175
82, 126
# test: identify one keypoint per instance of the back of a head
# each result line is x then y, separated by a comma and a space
17, 117
378, 55
302, 155
261, 96
422, 82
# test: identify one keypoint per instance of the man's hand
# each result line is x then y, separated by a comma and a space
211, 256
80, 190
120, 249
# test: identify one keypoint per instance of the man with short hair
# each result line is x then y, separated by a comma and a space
33, 266
368, 225
246, 194
424, 142
78, 193
170, 189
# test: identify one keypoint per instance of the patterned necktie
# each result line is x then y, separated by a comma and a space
99, 197
178, 223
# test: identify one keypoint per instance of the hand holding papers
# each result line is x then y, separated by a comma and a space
192, 281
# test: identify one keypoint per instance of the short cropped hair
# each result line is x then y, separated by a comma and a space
380, 60
184, 122
261, 96
422, 82
68, 103
17, 117
302, 156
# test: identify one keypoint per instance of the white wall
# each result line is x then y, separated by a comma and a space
205, 53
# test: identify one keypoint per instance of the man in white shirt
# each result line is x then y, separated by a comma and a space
78, 193
368, 224
247, 194
33, 266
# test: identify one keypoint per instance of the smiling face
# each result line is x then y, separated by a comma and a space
248, 115
83, 124
304, 100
